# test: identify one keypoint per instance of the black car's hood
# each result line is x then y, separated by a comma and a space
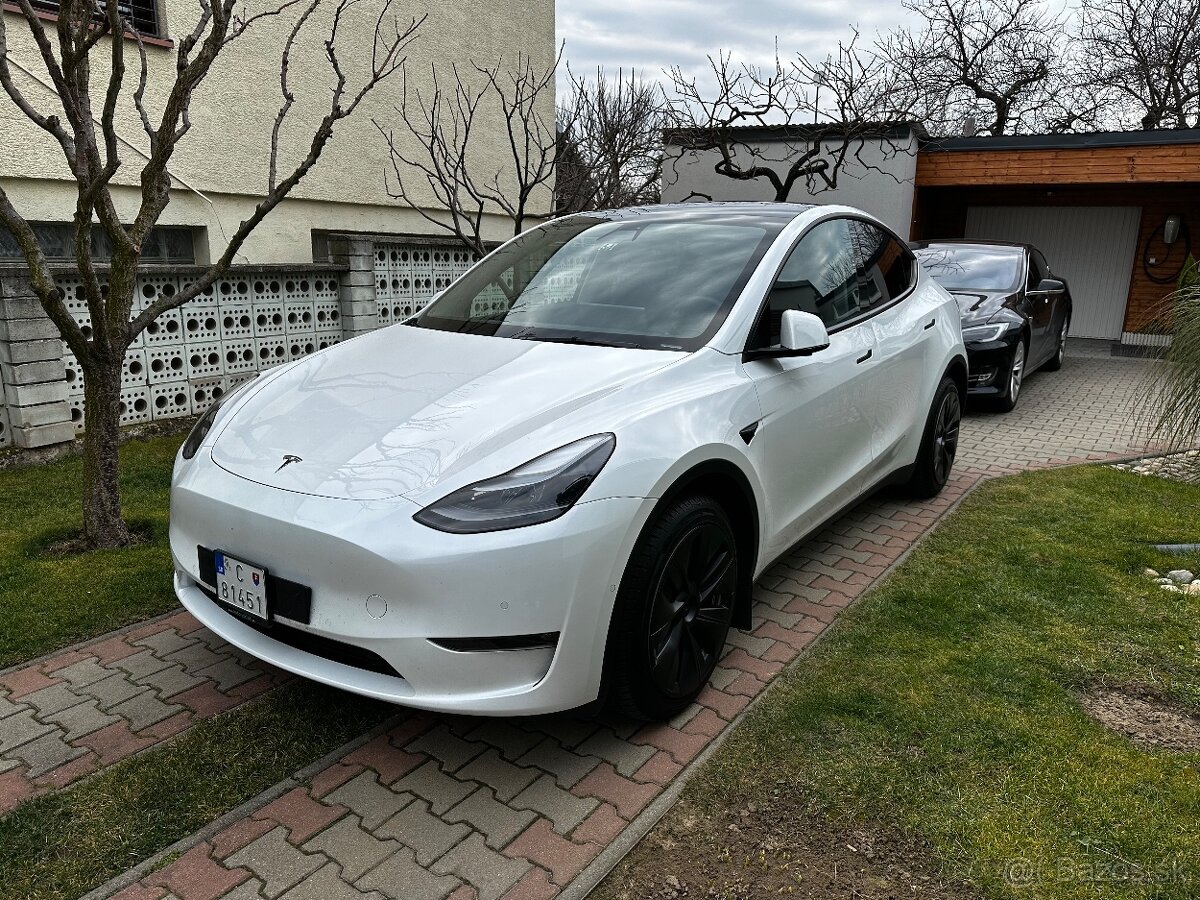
976, 307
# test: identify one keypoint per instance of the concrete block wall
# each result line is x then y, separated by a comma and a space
34, 411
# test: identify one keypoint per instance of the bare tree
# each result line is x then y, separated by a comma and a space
610, 143
88, 30
810, 141
983, 61
1144, 57
439, 148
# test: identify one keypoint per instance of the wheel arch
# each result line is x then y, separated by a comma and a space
957, 370
729, 486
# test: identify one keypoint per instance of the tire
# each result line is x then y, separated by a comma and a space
686, 552
939, 443
1060, 352
1017, 370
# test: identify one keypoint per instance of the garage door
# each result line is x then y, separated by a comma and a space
1091, 246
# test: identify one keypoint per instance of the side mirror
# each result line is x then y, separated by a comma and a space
1048, 286
800, 334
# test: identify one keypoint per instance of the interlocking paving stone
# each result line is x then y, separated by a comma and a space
353, 847
114, 689
144, 662
47, 752
365, 796
144, 710
19, 729
627, 758
50, 700
275, 861
197, 656
84, 672
430, 783
327, 884
508, 738
170, 681
566, 766
506, 779
228, 673
165, 642
564, 809
490, 873
441, 744
400, 877
7, 707
416, 827
496, 821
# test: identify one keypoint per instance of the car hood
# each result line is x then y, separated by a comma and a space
401, 409
976, 307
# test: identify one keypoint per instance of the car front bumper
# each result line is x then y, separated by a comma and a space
556, 580
989, 363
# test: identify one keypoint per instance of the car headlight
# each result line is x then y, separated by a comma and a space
202, 427
539, 491
983, 333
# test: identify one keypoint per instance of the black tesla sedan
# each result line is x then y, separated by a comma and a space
1014, 315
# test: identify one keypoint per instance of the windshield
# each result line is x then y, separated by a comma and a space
660, 284
977, 268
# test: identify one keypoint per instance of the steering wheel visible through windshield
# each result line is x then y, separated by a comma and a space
654, 283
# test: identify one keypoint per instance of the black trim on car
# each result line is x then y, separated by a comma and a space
284, 598
542, 641
307, 642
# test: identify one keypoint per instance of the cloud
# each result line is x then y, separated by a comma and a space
653, 35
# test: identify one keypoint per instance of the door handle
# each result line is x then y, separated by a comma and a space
930, 323
864, 357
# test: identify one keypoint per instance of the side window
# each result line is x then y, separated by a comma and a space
818, 277
1037, 269
885, 268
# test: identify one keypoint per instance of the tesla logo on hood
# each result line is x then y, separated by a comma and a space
287, 461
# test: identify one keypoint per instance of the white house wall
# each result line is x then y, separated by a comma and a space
225, 155
882, 183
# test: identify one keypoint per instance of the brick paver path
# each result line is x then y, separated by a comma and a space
81, 710
444, 806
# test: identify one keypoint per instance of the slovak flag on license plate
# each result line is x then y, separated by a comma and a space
255, 576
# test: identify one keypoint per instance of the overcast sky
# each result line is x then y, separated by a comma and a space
652, 35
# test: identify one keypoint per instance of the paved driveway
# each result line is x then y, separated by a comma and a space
440, 806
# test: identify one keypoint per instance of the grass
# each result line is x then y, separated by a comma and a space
48, 602
63, 845
943, 707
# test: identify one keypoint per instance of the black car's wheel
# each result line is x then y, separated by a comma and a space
939, 444
673, 610
1016, 378
1060, 352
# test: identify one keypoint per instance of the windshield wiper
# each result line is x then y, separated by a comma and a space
532, 335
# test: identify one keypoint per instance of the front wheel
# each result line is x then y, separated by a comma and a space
939, 444
673, 610
1016, 378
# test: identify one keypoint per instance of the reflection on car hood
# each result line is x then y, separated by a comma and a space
397, 410
976, 307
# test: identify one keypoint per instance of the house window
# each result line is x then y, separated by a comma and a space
167, 244
142, 15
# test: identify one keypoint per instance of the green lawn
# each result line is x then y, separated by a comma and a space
47, 602
943, 707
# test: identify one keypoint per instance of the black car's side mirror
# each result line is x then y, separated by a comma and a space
1047, 287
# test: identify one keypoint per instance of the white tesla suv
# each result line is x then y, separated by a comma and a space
558, 482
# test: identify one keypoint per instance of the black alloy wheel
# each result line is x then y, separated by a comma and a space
673, 609
692, 606
939, 442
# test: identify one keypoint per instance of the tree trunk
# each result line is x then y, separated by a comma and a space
103, 526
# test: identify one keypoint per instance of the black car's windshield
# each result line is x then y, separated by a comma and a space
656, 283
973, 268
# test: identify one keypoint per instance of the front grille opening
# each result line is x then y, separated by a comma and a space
326, 648
542, 641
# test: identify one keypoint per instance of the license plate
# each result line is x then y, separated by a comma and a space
241, 585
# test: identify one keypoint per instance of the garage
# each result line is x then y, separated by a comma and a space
1113, 213
1091, 247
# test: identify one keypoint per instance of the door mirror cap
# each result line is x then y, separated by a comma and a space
1048, 286
800, 334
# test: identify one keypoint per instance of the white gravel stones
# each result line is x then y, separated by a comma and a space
1181, 576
